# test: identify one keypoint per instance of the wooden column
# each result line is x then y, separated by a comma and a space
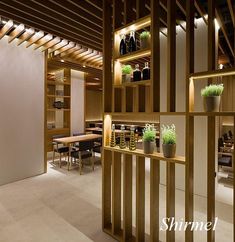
171, 55
107, 56
189, 168
155, 57
116, 193
106, 189
171, 102
154, 199
127, 197
211, 126
140, 198
233, 183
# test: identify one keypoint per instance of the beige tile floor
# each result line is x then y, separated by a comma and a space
63, 206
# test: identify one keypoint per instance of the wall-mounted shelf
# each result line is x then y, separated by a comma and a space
57, 83
212, 114
134, 55
57, 109
155, 155
56, 96
133, 84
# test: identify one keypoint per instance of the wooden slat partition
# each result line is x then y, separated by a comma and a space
127, 197
233, 184
154, 199
116, 192
140, 198
106, 188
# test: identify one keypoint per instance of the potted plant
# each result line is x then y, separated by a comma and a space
168, 140
126, 73
145, 40
211, 97
149, 138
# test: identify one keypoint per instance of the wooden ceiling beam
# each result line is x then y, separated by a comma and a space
79, 57
93, 58
69, 46
231, 10
89, 56
222, 26
26, 35
67, 52
43, 41
97, 60
74, 54
6, 28
61, 44
51, 43
47, 26
37, 36
88, 20
16, 32
96, 3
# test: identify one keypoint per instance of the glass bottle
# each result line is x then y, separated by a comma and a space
132, 43
136, 74
122, 47
146, 71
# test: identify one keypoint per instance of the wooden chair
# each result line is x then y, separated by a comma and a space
57, 148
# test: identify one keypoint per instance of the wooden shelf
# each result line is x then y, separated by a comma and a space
135, 25
57, 129
155, 155
133, 84
57, 83
56, 96
134, 55
56, 109
147, 114
212, 113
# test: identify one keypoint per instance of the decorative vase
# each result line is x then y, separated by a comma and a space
145, 43
149, 147
126, 78
122, 144
211, 104
169, 150
132, 143
113, 137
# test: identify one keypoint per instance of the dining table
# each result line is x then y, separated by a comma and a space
69, 141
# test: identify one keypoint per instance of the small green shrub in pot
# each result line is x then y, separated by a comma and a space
126, 73
168, 140
145, 38
149, 138
211, 97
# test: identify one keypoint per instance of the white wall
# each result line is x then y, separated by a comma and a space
77, 102
22, 112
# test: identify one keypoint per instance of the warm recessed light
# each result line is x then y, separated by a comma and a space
84, 66
96, 78
62, 60
4, 21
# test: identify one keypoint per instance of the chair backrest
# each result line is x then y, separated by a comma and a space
86, 145
78, 133
220, 143
225, 136
230, 133
57, 136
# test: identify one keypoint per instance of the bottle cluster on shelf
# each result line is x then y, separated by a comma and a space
128, 45
128, 74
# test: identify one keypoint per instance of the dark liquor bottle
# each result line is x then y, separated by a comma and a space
132, 43
136, 74
122, 48
146, 71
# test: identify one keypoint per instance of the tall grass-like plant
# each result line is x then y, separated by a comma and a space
212, 90
126, 69
149, 133
168, 134
145, 35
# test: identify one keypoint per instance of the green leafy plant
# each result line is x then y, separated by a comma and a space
168, 134
149, 132
145, 35
212, 90
126, 69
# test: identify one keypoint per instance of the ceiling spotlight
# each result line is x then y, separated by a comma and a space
15, 25
62, 60
96, 78
84, 66
4, 21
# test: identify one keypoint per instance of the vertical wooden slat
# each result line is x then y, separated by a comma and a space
140, 198
211, 177
141, 10
127, 197
106, 188
107, 56
154, 200
117, 14
189, 168
233, 182
155, 57
170, 199
129, 14
116, 192
171, 55
45, 112
211, 126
